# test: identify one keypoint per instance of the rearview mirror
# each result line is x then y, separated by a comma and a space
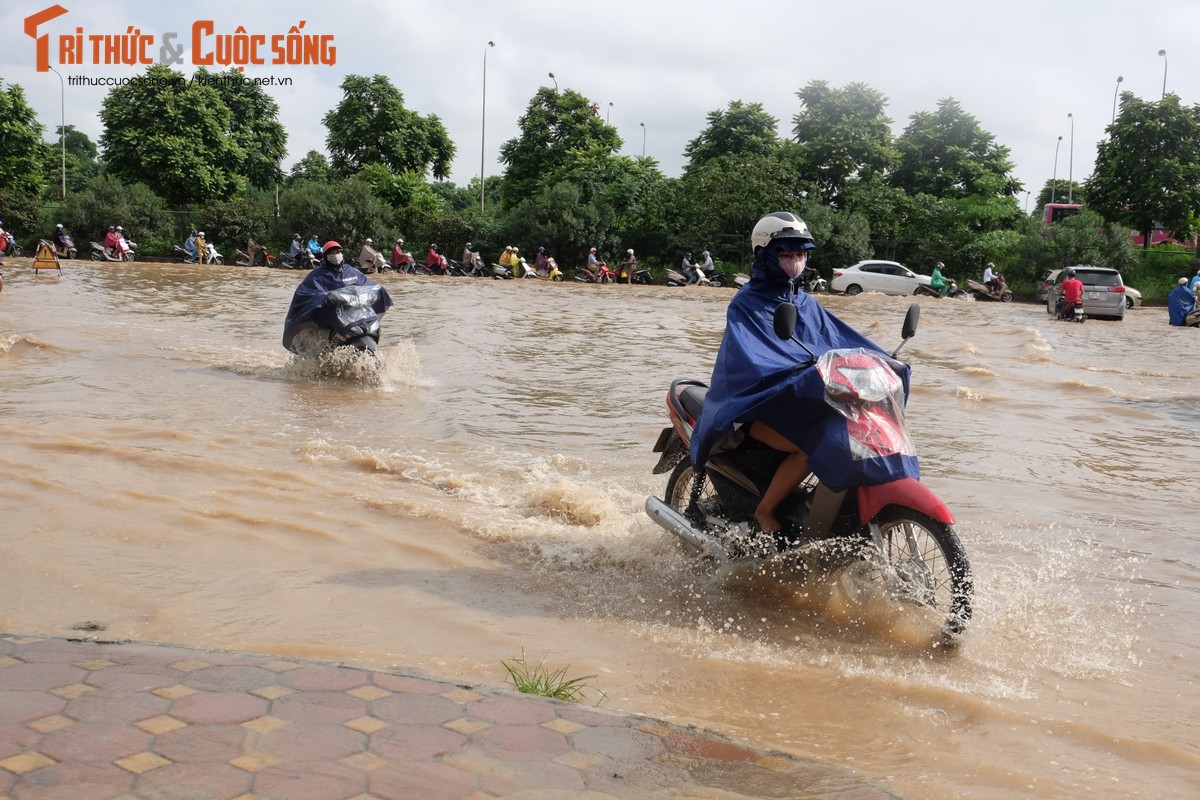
910, 321
785, 320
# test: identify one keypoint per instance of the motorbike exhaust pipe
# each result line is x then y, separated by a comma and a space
676, 523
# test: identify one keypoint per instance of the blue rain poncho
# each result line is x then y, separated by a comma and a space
308, 303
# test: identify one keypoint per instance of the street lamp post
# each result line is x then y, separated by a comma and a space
1027, 201
62, 130
1054, 178
1163, 53
555, 82
1071, 162
483, 124
1116, 89
643, 138
608, 116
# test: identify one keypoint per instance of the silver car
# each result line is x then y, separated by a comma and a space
1103, 291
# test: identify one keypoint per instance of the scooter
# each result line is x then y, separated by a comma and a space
952, 290
102, 253
677, 278
304, 259
981, 291
9, 246
265, 258
501, 272
895, 536
1072, 312
348, 319
67, 250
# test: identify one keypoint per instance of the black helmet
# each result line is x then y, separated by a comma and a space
1070, 272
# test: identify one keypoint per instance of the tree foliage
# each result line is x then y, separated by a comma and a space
82, 162
842, 134
173, 135
371, 126
254, 126
314, 166
563, 137
1147, 171
947, 153
743, 129
22, 156
107, 200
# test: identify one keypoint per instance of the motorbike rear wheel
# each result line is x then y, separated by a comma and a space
925, 564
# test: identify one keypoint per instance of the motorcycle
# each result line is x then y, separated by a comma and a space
67, 250
304, 259
348, 319
501, 272
952, 290
895, 536
265, 259
9, 246
457, 269
983, 292
677, 278
1072, 312
102, 253
812, 283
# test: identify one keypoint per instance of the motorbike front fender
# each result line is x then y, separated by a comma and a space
906, 492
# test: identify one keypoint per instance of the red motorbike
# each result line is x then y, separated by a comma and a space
891, 542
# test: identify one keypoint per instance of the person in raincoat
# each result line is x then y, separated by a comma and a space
309, 300
759, 387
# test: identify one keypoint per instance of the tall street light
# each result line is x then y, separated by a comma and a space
1071, 162
62, 130
643, 138
1163, 53
483, 124
1026, 201
1054, 179
555, 82
1116, 89
608, 116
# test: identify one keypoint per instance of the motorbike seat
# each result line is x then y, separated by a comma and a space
687, 396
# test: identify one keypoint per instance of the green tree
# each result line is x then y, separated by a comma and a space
254, 126
371, 126
347, 211
1060, 190
947, 153
842, 134
107, 200
314, 166
82, 162
743, 129
171, 134
1147, 171
562, 134
22, 156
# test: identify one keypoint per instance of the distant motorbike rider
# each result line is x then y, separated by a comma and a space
314, 247
63, 243
689, 270
370, 259
401, 258
296, 248
436, 262
540, 265
629, 266
202, 247
190, 246
4, 236
992, 279
1072, 294
1181, 306
593, 264
311, 295
506, 258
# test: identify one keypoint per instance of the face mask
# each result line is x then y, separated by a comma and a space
793, 264
335, 259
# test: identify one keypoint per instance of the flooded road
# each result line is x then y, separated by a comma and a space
167, 471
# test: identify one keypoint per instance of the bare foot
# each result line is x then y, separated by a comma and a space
767, 522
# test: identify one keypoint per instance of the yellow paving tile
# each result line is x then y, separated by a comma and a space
564, 726
280, 666
365, 762
26, 762
272, 692
576, 760
72, 691
8, 661
189, 666
50, 724
467, 726
462, 696
160, 724
23, 639
96, 664
174, 692
657, 730
265, 724
366, 724
253, 762
368, 692
142, 763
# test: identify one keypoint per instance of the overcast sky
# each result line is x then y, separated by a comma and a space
1020, 67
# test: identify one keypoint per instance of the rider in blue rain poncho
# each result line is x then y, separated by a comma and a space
760, 387
309, 301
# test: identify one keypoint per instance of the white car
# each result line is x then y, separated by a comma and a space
887, 277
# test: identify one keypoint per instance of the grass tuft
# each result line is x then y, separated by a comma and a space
540, 680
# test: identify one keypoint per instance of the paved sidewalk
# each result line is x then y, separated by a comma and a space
84, 720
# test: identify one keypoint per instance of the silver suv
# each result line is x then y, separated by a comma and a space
1103, 291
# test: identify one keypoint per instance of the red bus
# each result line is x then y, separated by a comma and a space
1057, 212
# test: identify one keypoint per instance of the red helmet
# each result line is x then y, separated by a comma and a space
330, 245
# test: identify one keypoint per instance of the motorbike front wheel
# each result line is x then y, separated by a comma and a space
679, 489
924, 563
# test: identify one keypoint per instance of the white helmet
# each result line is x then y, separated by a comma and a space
59, 225
629, 252
370, 241
781, 225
